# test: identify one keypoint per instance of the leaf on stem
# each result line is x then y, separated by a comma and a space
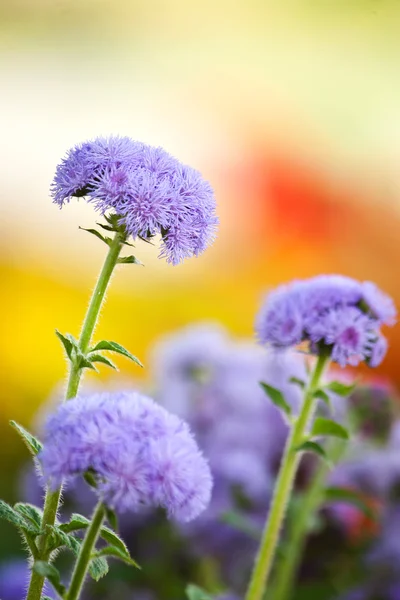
277, 398
194, 592
297, 381
31, 442
31, 513
7, 513
45, 569
341, 389
129, 260
67, 342
328, 427
321, 395
117, 553
79, 522
310, 446
102, 359
115, 347
101, 237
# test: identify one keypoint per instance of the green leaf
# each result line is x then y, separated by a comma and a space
59, 538
327, 427
336, 494
79, 522
45, 569
241, 523
321, 395
101, 237
194, 592
66, 342
277, 398
298, 382
310, 446
85, 363
115, 347
102, 359
31, 513
341, 389
90, 477
32, 443
7, 513
117, 553
112, 518
76, 522
129, 260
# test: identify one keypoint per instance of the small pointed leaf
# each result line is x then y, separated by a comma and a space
321, 395
66, 342
101, 237
337, 494
112, 518
7, 513
277, 398
298, 382
132, 260
327, 427
31, 513
115, 347
194, 592
339, 388
85, 363
310, 446
32, 443
117, 553
98, 568
45, 569
102, 359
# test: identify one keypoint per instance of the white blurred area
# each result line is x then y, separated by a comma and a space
206, 80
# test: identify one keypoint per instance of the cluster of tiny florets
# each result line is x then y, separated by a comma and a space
329, 311
142, 455
150, 190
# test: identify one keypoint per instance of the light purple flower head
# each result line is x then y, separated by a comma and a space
14, 580
331, 312
142, 455
150, 190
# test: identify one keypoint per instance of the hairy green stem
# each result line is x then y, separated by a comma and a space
52, 498
295, 543
85, 554
283, 488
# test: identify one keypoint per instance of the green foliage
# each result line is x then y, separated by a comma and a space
49, 571
114, 347
297, 381
32, 443
195, 592
126, 260
101, 237
322, 395
277, 398
13, 516
117, 553
328, 427
68, 341
31, 513
102, 359
310, 446
341, 389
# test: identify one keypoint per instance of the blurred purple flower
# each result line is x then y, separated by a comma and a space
332, 311
14, 580
142, 454
151, 191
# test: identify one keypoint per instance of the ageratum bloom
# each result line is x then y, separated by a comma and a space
150, 190
141, 454
330, 312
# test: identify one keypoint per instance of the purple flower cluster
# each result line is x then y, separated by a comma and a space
213, 382
150, 190
330, 312
141, 454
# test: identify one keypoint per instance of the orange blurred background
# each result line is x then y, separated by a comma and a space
290, 109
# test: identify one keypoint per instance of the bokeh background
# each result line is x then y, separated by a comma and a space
290, 109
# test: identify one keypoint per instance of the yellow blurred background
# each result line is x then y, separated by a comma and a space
290, 109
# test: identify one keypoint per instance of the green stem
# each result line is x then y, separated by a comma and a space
85, 554
52, 499
298, 530
284, 485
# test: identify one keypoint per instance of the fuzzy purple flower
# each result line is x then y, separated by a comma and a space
141, 454
148, 189
330, 312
